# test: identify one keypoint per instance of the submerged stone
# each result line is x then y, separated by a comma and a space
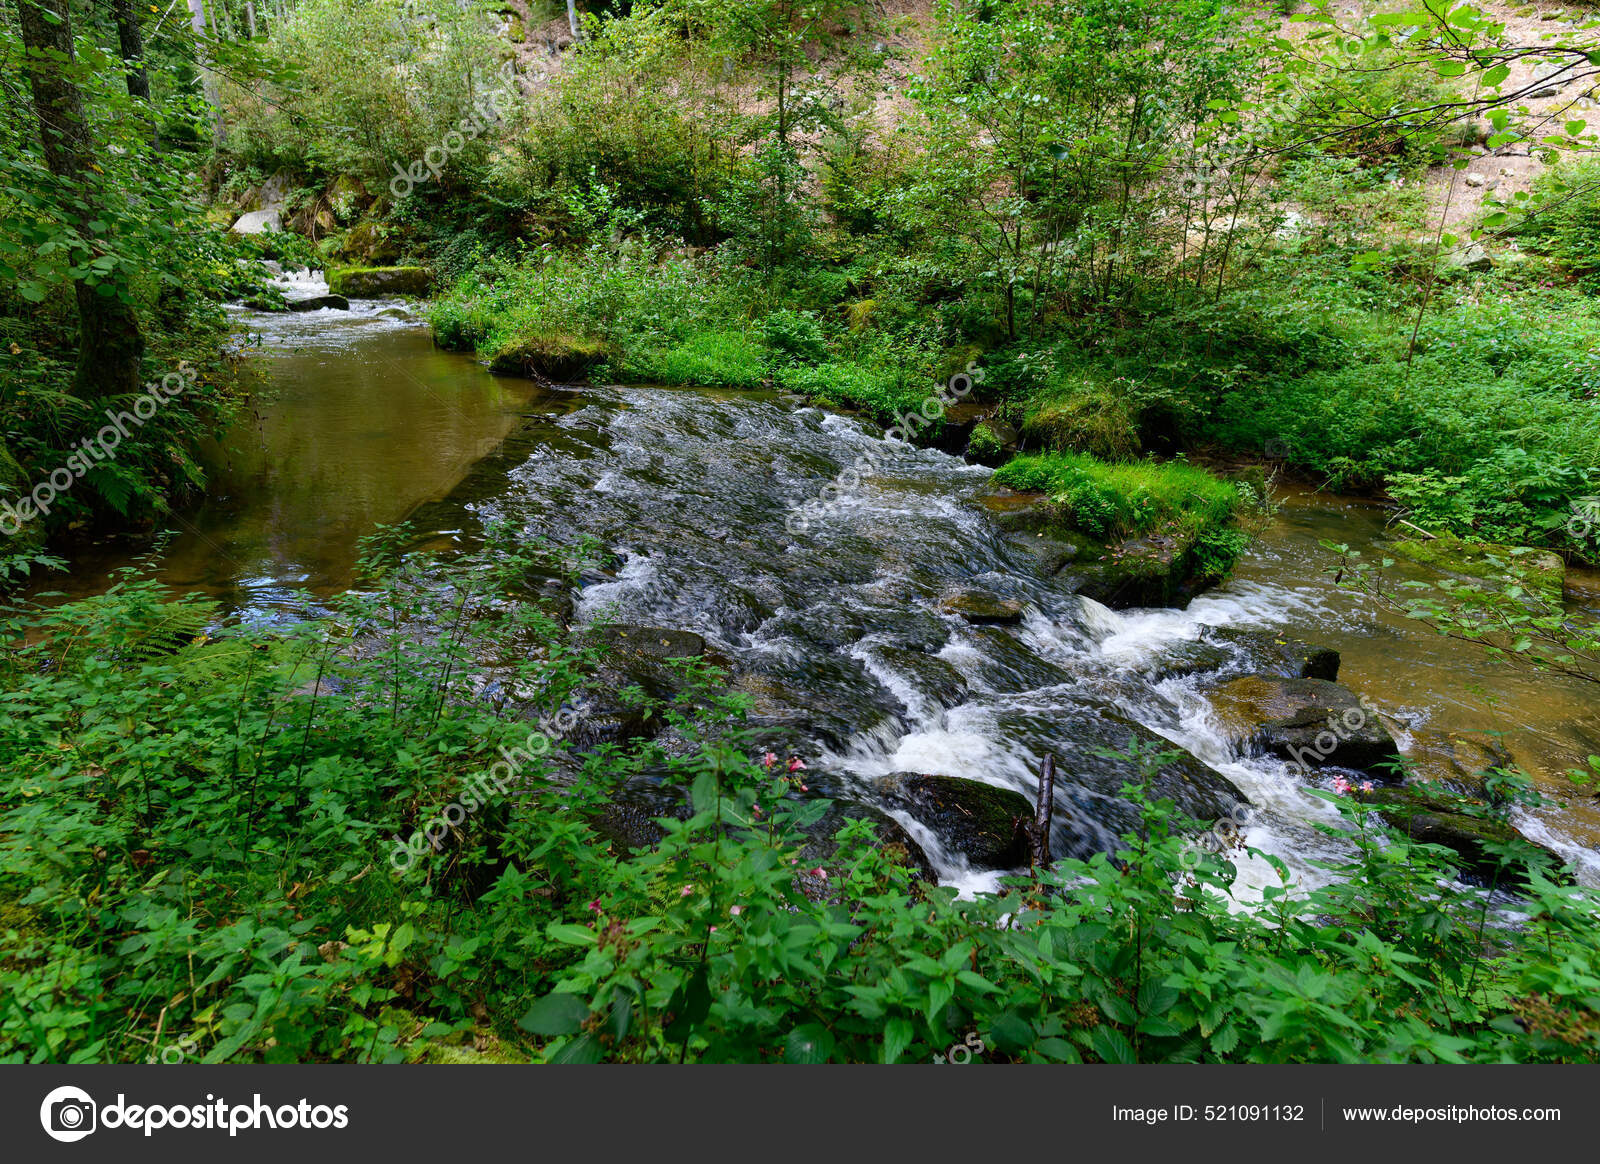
1312, 722
1268, 653
980, 608
1488, 561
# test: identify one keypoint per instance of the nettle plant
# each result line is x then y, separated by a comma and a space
197, 810
717, 946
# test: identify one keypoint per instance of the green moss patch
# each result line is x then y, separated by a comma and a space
372, 282
1543, 571
1108, 499
554, 355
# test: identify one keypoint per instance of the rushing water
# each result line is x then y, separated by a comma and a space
836, 631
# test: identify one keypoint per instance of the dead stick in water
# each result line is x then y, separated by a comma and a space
1039, 834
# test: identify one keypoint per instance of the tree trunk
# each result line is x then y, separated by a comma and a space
110, 344
131, 42
572, 20
208, 79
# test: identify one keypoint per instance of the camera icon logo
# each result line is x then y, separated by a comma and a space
68, 1114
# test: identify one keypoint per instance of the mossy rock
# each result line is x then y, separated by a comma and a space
1050, 555
1021, 512
1160, 568
554, 356
977, 820
375, 282
348, 196
1157, 569
370, 245
1487, 561
981, 608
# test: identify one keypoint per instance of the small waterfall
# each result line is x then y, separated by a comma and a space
844, 624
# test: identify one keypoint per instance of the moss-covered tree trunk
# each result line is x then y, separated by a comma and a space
110, 343
130, 41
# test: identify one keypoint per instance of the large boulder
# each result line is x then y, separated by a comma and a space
1162, 568
552, 356
376, 282
259, 222
1311, 722
1157, 569
979, 821
369, 245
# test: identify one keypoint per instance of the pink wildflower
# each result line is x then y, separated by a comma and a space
796, 764
769, 759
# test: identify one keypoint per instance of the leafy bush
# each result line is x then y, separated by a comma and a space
793, 335
1089, 416
395, 79
1565, 221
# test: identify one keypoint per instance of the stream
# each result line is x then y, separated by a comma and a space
837, 632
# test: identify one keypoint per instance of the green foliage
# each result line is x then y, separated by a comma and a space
1565, 220
984, 445
1487, 431
1128, 498
716, 359
361, 86
1090, 416
203, 848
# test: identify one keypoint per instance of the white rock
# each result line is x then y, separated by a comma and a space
259, 222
